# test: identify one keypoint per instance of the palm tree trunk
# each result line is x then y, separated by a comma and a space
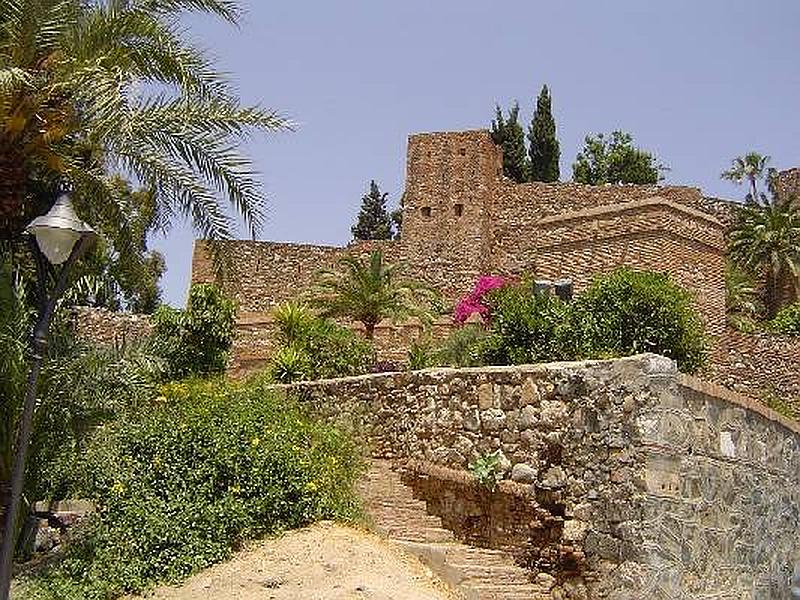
12, 195
772, 289
5, 496
369, 330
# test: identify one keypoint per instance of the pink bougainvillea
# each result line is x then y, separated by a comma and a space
473, 302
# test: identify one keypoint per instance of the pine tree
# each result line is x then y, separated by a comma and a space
374, 221
509, 135
544, 151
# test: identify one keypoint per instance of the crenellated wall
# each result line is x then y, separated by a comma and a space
629, 479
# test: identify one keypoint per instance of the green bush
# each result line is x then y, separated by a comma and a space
525, 327
196, 341
627, 312
422, 355
316, 348
289, 363
183, 483
487, 469
787, 320
81, 389
462, 348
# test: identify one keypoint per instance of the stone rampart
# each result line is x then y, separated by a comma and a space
760, 364
108, 328
641, 482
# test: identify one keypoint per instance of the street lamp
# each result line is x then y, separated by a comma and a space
62, 237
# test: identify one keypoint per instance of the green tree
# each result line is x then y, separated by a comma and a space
751, 167
615, 160
509, 135
627, 312
374, 221
544, 150
196, 341
369, 291
86, 86
766, 240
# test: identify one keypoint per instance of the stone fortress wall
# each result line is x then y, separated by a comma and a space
628, 480
462, 218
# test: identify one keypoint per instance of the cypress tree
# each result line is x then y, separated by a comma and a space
374, 221
510, 136
544, 151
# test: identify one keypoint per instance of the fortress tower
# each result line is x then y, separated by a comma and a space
450, 184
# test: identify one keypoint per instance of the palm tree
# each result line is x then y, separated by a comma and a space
742, 298
751, 167
766, 239
369, 291
88, 89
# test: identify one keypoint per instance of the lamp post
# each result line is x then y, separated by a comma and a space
62, 237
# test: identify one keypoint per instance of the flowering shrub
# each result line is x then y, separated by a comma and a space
474, 301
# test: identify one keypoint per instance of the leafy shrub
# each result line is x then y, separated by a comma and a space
487, 469
474, 302
294, 320
196, 341
462, 348
627, 312
183, 483
316, 348
526, 327
787, 320
288, 364
421, 355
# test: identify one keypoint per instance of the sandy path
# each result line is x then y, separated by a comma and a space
322, 562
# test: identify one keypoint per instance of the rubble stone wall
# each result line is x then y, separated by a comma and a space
640, 482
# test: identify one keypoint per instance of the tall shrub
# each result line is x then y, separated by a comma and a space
627, 312
787, 320
196, 341
184, 482
526, 327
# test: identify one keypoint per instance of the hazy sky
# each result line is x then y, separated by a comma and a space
696, 81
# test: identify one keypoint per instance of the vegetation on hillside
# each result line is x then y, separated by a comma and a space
314, 347
180, 484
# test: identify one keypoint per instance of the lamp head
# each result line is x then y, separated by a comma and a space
59, 230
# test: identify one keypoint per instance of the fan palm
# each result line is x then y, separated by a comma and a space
751, 167
89, 88
368, 291
767, 239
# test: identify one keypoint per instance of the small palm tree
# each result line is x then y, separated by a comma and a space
92, 88
766, 239
751, 167
369, 291
743, 304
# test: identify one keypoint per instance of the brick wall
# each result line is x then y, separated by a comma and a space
637, 471
760, 364
788, 184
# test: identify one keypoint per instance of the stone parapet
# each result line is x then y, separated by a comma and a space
639, 481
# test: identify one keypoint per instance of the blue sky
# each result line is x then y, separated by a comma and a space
695, 81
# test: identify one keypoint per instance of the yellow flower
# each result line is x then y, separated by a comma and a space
255, 442
118, 488
311, 487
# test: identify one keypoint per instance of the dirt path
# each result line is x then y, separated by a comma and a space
322, 562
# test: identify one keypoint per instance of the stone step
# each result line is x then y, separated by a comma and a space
478, 573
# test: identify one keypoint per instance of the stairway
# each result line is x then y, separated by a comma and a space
478, 573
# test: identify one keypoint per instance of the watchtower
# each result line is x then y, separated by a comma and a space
450, 182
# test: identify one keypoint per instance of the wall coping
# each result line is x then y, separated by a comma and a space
621, 207
651, 364
713, 389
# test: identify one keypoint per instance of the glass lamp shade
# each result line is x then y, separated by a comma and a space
56, 244
59, 230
